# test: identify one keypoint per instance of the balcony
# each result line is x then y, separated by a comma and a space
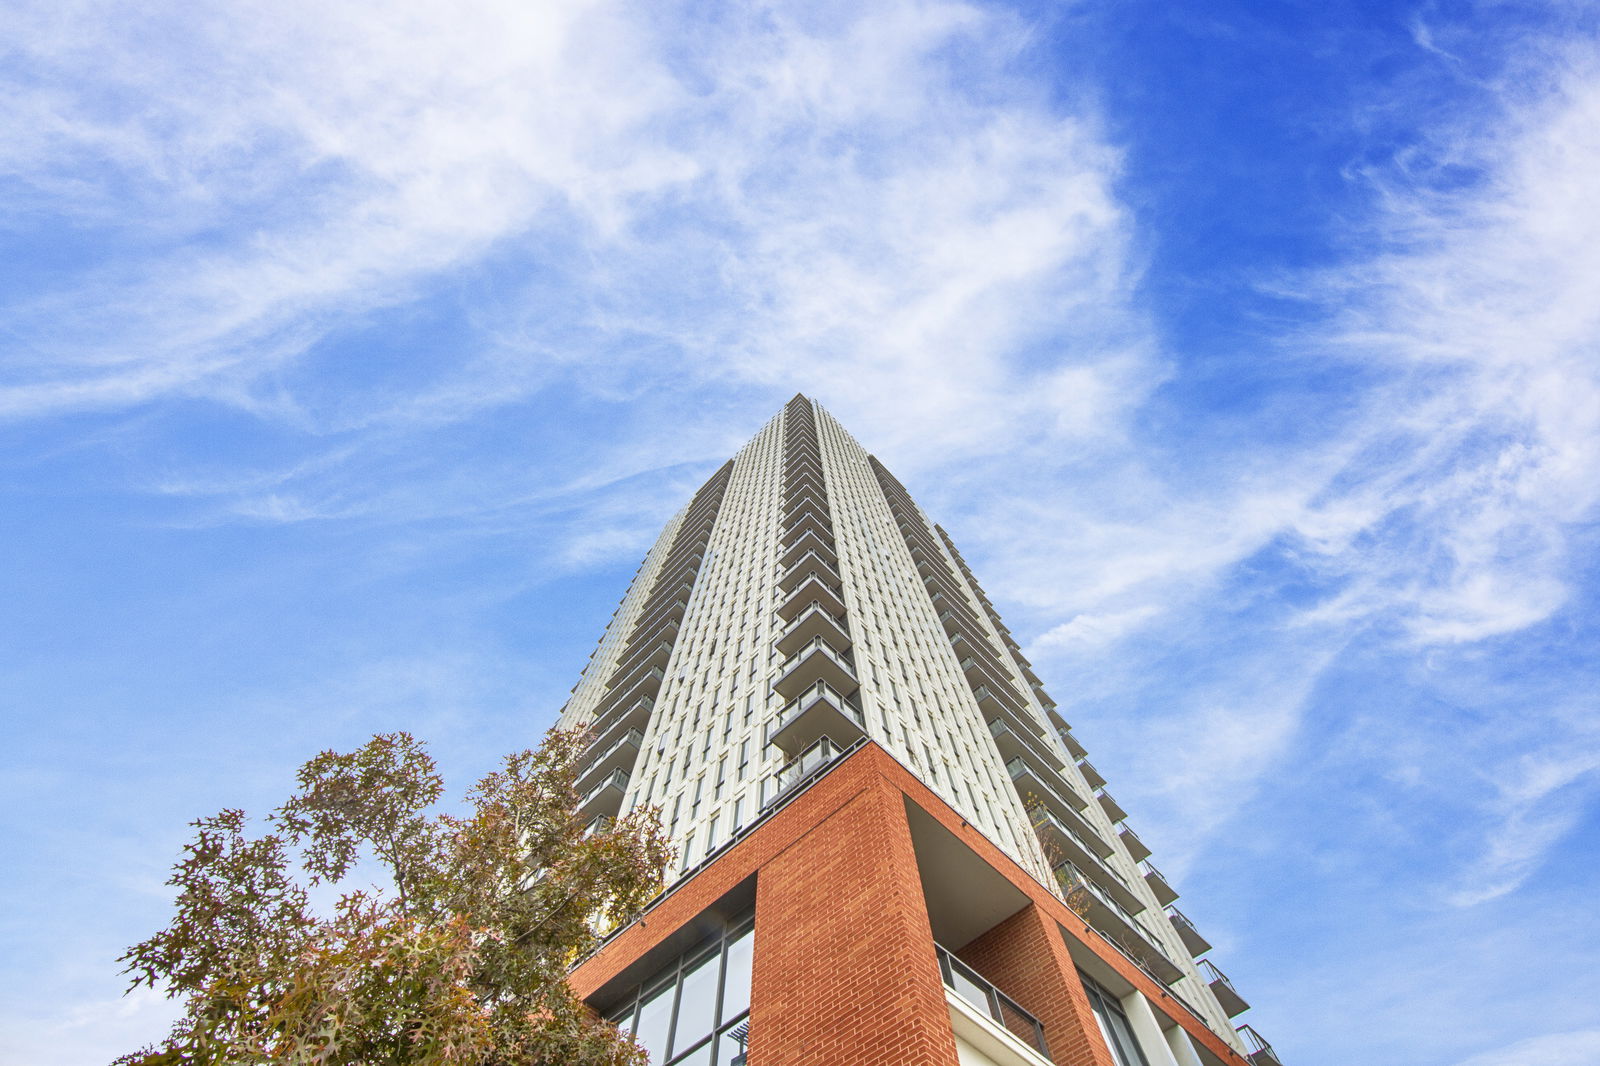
809, 543
1112, 808
967, 983
1014, 743
1232, 1002
980, 675
604, 798
815, 661
1075, 749
647, 656
1027, 781
635, 715
810, 563
1158, 883
1062, 843
1090, 774
813, 589
809, 624
1130, 840
809, 522
1261, 1053
801, 769
645, 680
671, 607
643, 689
820, 711
1116, 923
620, 754
1193, 942
802, 461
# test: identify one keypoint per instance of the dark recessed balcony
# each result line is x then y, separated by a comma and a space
813, 589
809, 543
1062, 843
819, 711
809, 563
1130, 840
1112, 808
811, 623
1158, 883
815, 661
1261, 1053
604, 798
1193, 942
1232, 1002
621, 754
1090, 774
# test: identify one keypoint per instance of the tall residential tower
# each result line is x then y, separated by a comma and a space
891, 847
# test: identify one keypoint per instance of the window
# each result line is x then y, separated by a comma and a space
696, 1012
1113, 1023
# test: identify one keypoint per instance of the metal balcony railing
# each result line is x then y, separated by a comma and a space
972, 987
1232, 1002
1260, 1052
799, 770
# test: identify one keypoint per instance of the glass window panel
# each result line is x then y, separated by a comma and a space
655, 1018
736, 985
697, 1003
968, 989
733, 1043
700, 1056
623, 1019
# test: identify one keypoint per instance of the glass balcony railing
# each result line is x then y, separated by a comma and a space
973, 988
1128, 931
819, 711
799, 770
605, 797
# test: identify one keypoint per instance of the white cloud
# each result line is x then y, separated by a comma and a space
1578, 1048
1542, 800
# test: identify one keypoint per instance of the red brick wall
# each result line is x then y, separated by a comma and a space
846, 839
845, 970
1025, 957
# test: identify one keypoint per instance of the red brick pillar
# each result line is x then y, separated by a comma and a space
1026, 958
845, 972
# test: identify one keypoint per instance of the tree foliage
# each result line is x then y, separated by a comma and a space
460, 958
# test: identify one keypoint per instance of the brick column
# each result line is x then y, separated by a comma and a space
845, 970
1025, 957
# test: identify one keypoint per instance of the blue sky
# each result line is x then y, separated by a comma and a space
350, 359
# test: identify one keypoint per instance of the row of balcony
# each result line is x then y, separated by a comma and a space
1103, 893
624, 711
1121, 926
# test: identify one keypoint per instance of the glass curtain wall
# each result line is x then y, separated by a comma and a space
696, 1012
1113, 1023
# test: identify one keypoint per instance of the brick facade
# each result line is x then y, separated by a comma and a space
845, 969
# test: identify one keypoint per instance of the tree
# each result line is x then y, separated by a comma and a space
461, 958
